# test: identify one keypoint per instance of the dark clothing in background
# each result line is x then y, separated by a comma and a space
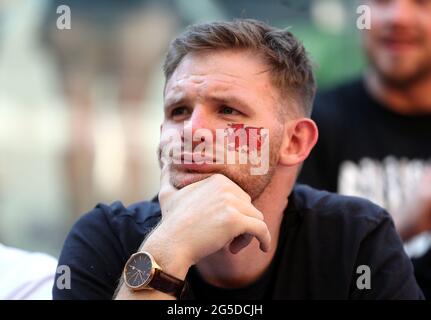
366, 150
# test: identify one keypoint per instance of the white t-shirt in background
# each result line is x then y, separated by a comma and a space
26, 275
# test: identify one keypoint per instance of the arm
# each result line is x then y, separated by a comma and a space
92, 253
196, 222
174, 267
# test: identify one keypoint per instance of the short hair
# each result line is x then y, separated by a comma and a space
291, 69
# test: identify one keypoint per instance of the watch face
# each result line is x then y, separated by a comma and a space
138, 270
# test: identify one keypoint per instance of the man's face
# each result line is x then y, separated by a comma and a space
399, 42
215, 91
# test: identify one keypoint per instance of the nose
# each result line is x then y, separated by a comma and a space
400, 12
199, 119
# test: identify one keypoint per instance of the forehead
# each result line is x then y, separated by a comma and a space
223, 71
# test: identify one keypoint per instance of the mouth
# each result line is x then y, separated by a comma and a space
397, 44
195, 163
197, 168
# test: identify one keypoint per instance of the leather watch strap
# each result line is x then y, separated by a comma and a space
166, 283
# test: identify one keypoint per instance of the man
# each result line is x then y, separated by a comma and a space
223, 230
375, 137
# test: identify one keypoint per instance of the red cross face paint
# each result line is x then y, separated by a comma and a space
243, 138
236, 144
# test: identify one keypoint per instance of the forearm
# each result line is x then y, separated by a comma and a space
125, 293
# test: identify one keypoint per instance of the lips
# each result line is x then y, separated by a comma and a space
197, 168
399, 43
194, 162
192, 158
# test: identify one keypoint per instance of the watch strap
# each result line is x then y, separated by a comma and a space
166, 283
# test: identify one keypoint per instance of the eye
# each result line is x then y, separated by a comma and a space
229, 111
178, 112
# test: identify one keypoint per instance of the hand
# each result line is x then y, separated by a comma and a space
204, 217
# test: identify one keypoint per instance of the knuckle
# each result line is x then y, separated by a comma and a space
230, 216
227, 198
260, 215
262, 228
217, 177
221, 180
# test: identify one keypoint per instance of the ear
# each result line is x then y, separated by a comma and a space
300, 136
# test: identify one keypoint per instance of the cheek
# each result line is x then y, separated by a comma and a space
243, 137
170, 134
427, 35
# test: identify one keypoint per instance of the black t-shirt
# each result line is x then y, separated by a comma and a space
324, 238
354, 127
367, 150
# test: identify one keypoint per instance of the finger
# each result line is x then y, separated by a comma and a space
244, 195
248, 209
232, 187
240, 243
259, 229
237, 190
166, 187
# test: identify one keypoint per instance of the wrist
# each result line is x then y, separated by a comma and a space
169, 258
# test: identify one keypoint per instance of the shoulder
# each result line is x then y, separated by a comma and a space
116, 213
129, 224
356, 214
100, 243
344, 94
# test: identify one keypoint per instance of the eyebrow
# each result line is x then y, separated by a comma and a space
232, 101
175, 100
227, 99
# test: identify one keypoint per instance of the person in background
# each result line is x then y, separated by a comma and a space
375, 132
26, 275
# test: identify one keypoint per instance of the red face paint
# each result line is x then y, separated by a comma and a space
244, 137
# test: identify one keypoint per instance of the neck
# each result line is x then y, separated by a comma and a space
409, 99
224, 269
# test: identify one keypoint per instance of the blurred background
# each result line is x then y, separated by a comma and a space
80, 108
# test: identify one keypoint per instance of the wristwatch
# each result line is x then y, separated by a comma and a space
142, 272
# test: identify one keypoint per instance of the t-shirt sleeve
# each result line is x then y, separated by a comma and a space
391, 270
95, 257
